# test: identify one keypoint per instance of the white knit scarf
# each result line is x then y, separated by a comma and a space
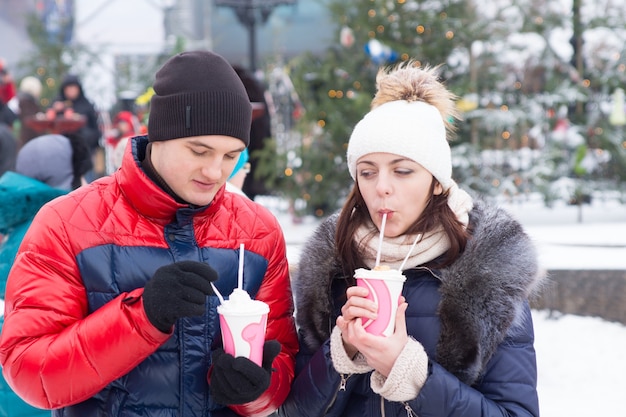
429, 247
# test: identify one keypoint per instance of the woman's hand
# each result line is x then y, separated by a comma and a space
356, 306
380, 352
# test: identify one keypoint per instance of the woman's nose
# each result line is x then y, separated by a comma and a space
383, 186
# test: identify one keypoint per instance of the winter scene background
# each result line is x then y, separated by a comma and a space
541, 95
539, 83
539, 86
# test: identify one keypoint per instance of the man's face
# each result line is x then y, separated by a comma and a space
196, 167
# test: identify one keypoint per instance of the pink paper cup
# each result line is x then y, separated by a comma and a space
243, 332
385, 289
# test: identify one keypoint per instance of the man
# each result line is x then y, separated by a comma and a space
109, 307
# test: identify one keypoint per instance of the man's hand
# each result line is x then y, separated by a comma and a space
177, 290
239, 380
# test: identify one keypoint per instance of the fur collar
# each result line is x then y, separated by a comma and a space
483, 292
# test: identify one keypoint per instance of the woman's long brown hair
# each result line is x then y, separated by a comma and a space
437, 212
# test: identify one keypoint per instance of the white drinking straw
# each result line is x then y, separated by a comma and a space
217, 293
419, 235
380, 238
240, 275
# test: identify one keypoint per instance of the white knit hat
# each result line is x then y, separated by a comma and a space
413, 129
31, 85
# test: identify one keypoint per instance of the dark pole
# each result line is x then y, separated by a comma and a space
252, 42
246, 11
577, 43
248, 17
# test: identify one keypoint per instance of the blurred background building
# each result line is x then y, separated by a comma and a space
128, 35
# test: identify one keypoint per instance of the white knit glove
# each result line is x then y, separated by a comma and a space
341, 361
407, 377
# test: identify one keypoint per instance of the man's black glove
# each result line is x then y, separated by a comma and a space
177, 290
239, 380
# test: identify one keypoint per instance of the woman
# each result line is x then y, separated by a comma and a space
463, 339
28, 107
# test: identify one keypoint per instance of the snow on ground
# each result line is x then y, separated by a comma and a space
581, 361
581, 366
598, 242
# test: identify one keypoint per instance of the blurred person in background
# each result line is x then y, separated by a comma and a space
57, 160
7, 84
28, 106
125, 125
8, 149
71, 96
8, 142
44, 171
238, 176
260, 130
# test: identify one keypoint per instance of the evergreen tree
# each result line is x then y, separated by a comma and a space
505, 63
337, 88
52, 57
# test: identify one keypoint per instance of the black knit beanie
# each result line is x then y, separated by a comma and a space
198, 93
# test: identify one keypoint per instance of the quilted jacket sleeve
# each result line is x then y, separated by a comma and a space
52, 352
276, 292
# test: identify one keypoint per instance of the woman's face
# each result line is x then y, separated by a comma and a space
395, 185
195, 168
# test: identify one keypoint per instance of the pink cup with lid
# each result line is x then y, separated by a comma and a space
243, 322
385, 288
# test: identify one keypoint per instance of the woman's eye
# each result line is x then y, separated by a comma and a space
404, 171
197, 152
366, 173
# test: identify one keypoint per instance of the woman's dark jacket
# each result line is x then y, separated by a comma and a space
473, 319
